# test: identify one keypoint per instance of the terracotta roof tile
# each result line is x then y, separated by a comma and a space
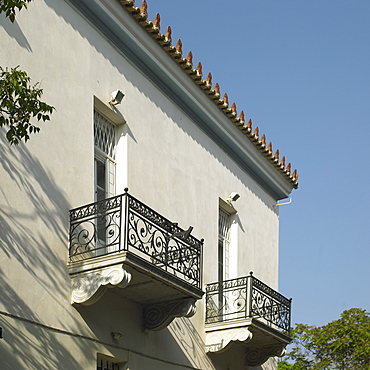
209, 79
199, 69
179, 47
189, 59
168, 34
241, 117
157, 22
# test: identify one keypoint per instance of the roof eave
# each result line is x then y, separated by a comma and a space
151, 58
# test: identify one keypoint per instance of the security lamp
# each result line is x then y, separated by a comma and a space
233, 197
116, 97
116, 335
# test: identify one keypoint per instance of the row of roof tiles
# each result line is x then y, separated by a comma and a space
165, 40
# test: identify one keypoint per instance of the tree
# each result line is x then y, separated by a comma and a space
19, 100
285, 365
10, 6
342, 344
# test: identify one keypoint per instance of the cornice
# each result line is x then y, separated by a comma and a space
129, 30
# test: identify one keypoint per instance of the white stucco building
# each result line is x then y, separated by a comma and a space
97, 277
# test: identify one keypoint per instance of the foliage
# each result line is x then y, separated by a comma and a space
285, 365
19, 102
10, 6
341, 344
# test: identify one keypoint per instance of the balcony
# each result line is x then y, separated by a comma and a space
121, 243
247, 313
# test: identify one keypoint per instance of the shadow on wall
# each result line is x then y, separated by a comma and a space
27, 346
179, 343
33, 222
33, 254
190, 343
13, 30
193, 346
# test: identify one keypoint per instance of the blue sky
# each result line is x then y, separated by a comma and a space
300, 70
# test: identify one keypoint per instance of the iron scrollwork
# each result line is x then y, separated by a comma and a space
124, 223
156, 237
247, 297
270, 305
95, 229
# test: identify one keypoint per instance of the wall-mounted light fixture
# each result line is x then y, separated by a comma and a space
233, 197
116, 335
116, 97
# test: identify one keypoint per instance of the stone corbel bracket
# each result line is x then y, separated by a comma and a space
88, 287
258, 356
158, 316
218, 341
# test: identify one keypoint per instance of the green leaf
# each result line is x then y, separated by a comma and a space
19, 102
10, 7
341, 344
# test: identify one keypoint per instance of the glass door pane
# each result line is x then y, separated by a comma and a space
100, 194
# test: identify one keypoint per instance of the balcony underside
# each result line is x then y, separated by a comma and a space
244, 314
259, 341
163, 295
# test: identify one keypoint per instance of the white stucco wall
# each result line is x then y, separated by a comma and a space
182, 173
165, 160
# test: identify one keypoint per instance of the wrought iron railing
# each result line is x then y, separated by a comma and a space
247, 297
123, 223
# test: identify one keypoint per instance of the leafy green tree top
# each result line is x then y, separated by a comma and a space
343, 344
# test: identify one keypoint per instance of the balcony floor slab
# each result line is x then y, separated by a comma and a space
147, 283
